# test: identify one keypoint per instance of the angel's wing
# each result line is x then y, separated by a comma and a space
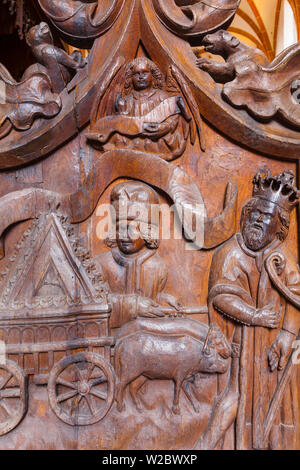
105, 100
196, 121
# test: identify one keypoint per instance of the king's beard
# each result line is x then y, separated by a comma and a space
254, 237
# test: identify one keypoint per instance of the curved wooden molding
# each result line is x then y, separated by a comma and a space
194, 19
82, 21
182, 189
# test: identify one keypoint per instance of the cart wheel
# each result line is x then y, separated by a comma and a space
13, 395
81, 388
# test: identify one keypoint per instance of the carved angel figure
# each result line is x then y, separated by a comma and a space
265, 89
145, 116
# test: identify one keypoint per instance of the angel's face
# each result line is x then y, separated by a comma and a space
142, 78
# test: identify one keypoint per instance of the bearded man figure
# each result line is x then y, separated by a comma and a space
251, 311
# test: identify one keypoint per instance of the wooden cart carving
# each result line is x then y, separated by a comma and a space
63, 340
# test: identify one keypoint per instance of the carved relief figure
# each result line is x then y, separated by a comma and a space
135, 272
36, 95
52, 60
265, 89
245, 303
145, 116
144, 355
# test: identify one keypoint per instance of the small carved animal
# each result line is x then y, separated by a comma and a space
52, 60
233, 51
266, 90
145, 356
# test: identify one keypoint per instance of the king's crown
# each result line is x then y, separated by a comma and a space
279, 189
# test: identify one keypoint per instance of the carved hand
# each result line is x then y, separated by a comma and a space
235, 308
148, 308
77, 56
267, 318
280, 350
170, 300
219, 71
156, 130
151, 127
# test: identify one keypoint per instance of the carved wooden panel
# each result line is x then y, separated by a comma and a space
149, 278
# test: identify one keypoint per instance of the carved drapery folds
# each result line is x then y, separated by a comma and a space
145, 115
244, 299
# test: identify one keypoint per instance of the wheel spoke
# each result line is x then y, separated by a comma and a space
97, 381
82, 373
75, 403
66, 383
66, 396
6, 409
5, 381
91, 368
90, 404
98, 394
10, 393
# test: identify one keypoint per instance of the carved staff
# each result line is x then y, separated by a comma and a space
276, 400
275, 264
184, 310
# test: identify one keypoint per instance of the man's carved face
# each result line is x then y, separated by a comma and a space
142, 78
260, 225
129, 239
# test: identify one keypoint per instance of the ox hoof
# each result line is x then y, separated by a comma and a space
176, 410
